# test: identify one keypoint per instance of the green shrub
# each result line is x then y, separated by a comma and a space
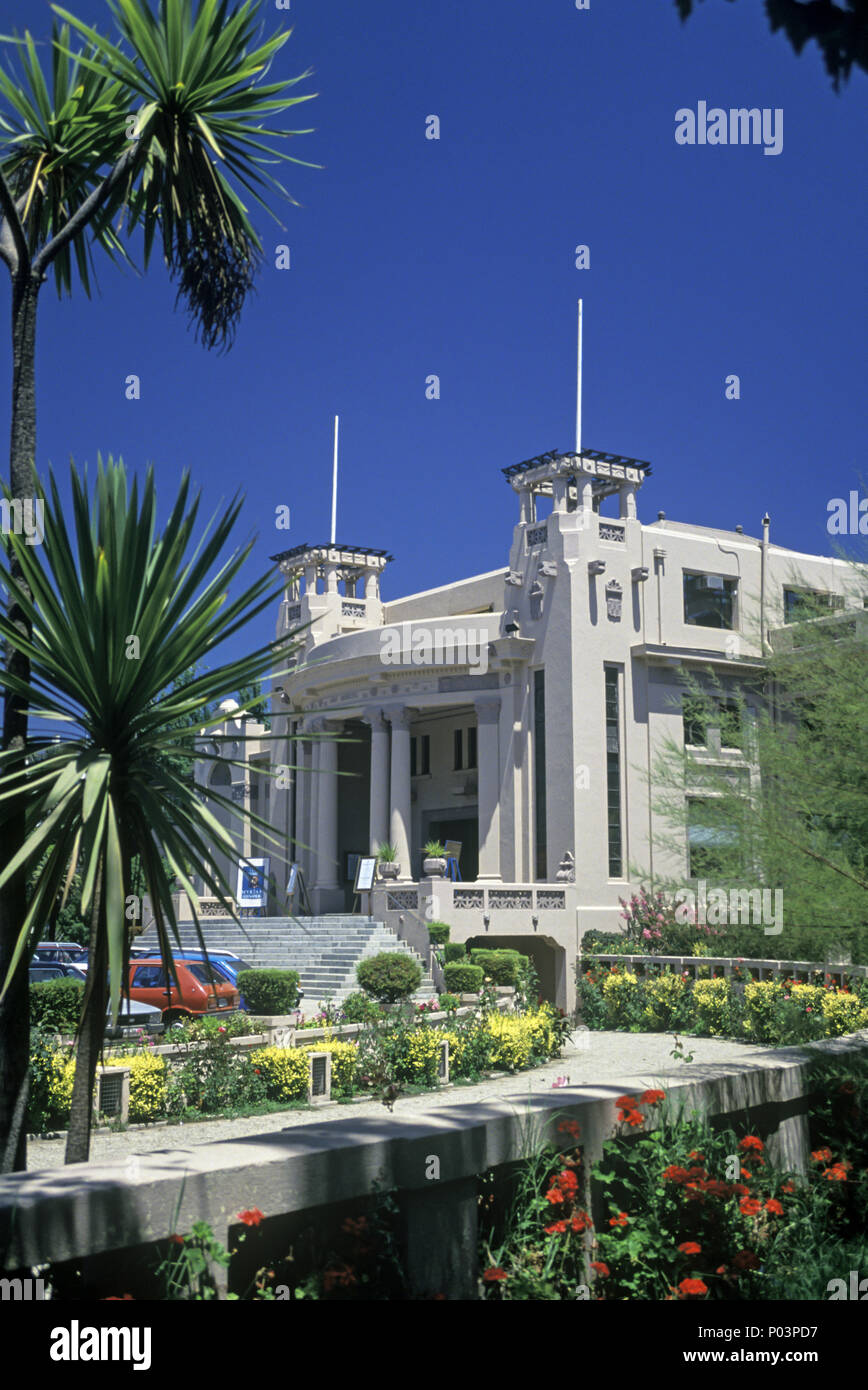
269, 991
148, 1087
56, 1004
283, 1070
360, 1008
448, 1001
390, 976
454, 950
463, 979
503, 967
439, 933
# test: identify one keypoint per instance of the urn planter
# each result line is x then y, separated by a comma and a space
434, 868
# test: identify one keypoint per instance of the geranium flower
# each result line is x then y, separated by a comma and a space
689, 1247
721, 1269
554, 1195
821, 1155
774, 1206
118, 1298
620, 1220
652, 1097
746, 1174
692, 1287
495, 1275
567, 1181
342, 1277
674, 1173
632, 1118
176, 1239
788, 1187
557, 1229
626, 1102
694, 1153
749, 1206
581, 1222
570, 1127
600, 1268
837, 1173
253, 1217
751, 1144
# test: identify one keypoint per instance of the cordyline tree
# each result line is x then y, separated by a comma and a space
776, 769
838, 27
162, 129
117, 613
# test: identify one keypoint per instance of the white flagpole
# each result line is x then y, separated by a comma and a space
335, 484
579, 388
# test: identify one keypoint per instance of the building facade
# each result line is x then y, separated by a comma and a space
518, 712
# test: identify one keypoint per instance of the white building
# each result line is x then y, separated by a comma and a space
518, 712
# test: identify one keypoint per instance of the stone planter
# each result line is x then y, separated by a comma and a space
434, 868
386, 869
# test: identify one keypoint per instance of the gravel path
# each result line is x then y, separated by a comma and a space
588, 1058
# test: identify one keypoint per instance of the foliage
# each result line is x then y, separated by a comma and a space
463, 979
56, 1004
454, 951
345, 1061
387, 854
269, 991
449, 1002
438, 933
51, 1074
433, 849
360, 1008
234, 1025
284, 1072
389, 976
502, 966
838, 30
148, 1087
212, 1079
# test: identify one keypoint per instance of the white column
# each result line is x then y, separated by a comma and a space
399, 790
488, 775
559, 493
327, 866
379, 802
301, 829
627, 500
525, 514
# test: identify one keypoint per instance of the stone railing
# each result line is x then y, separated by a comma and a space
804, 971
51, 1216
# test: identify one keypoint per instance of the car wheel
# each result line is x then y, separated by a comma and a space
175, 1020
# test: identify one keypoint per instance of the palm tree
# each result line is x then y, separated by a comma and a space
163, 127
115, 622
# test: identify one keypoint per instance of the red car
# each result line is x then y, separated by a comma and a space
151, 983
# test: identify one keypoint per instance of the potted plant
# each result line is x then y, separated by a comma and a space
434, 863
387, 862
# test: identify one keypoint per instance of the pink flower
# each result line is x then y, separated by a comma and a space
646, 933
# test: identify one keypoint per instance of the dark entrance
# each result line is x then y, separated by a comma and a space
465, 829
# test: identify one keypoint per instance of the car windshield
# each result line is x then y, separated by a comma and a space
200, 972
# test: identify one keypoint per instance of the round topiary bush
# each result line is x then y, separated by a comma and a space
390, 976
463, 979
269, 991
454, 950
504, 966
439, 933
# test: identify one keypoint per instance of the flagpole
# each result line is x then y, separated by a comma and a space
579, 387
335, 484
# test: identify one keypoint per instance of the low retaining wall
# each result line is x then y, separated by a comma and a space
800, 970
66, 1214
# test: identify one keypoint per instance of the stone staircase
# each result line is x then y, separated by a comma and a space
324, 950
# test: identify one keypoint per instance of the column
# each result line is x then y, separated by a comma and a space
559, 493
627, 500
379, 794
326, 841
372, 584
399, 790
301, 829
525, 514
488, 765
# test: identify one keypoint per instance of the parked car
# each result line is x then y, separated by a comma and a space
66, 952
134, 1016
194, 996
225, 965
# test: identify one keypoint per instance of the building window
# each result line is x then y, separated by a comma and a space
693, 714
539, 771
458, 750
709, 600
613, 773
730, 724
471, 746
425, 749
807, 603
712, 842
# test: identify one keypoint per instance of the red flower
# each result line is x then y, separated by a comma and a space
632, 1117
721, 1269
751, 1144
570, 1127
788, 1187
567, 1181
581, 1221
694, 1153
652, 1097
689, 1247
177, 1240
620, 1220
554, 1195
821, 1155
749, 1206
746, 1174
600, 1268
626, 1102
746, 1259
494, 1275
253, 1217
118, 1298
837, 1173
674, 1173
774, 1206
688, 1287
557, 1229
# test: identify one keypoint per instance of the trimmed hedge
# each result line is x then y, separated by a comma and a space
504, 967
454, 950
56, 1004
269, 991
463, 979
390, 976
439, 933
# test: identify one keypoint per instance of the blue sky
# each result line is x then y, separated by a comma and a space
456, 257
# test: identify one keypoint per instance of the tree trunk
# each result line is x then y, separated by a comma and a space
14, 1009
90, 1038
